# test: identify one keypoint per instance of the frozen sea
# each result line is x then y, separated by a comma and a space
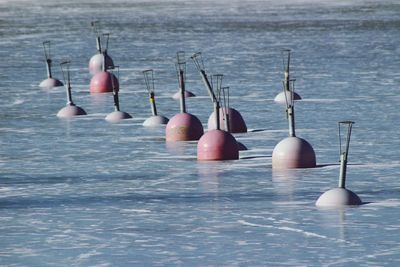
85, 192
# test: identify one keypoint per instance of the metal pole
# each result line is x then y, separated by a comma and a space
48, 65
286, 71
290, 114
344, 154
46, 48
67, 81
216, 111
115, 90
198, 61
153, 104
182, 91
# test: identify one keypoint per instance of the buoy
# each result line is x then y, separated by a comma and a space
117, 115
340, 196
286, 94
102, 58
183, 126
218, 144
50, 82
155, 120
102, 82
177, 95
237, 122
293, 152
70, 110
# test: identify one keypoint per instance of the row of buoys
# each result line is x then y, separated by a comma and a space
217, 143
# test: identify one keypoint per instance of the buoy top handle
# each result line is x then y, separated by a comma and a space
344, 138
105, 36
180, 66
198, 61
286, 60
65, 71
216, 82
46, 49
149, 80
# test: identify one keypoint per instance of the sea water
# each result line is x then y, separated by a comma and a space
85, 192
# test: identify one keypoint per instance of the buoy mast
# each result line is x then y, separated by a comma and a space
149, 81
344, 150
181, 70
67, 80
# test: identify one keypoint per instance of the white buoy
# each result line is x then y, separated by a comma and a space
117, 115
340, 196
70, 110
155, 120
237, 123
102, 58
286, 94
50, 82
293, 152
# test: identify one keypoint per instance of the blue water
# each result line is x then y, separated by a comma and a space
88, 193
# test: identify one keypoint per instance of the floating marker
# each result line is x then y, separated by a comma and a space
183, 126
292, 152
340, 196
286, 94
217, 144
50, 82
70, 110
102, 58
237, 124
116, 115
155, 119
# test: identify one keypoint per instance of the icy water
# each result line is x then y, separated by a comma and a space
88, 193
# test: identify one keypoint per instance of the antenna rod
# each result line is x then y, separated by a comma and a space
67, 81
115, 90
182, 91
290, 110
344, 154
286, 66
226, 109
198, 61
149, 81
46, 48
98, 39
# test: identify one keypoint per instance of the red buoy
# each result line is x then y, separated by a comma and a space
217, 145
102, 83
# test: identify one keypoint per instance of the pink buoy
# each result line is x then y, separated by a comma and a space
217, 145
177, 95
102, 83
293, 152
96, 63
236, 121
183, 127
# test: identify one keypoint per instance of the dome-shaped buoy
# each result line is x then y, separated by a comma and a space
281, 97
217, 145
183, 126
97, 61
117, 115
102, 82
50, 82
237, 124
101, 60
286, 95
340, 196
187, 94
155, 120
293, 152
70, 110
